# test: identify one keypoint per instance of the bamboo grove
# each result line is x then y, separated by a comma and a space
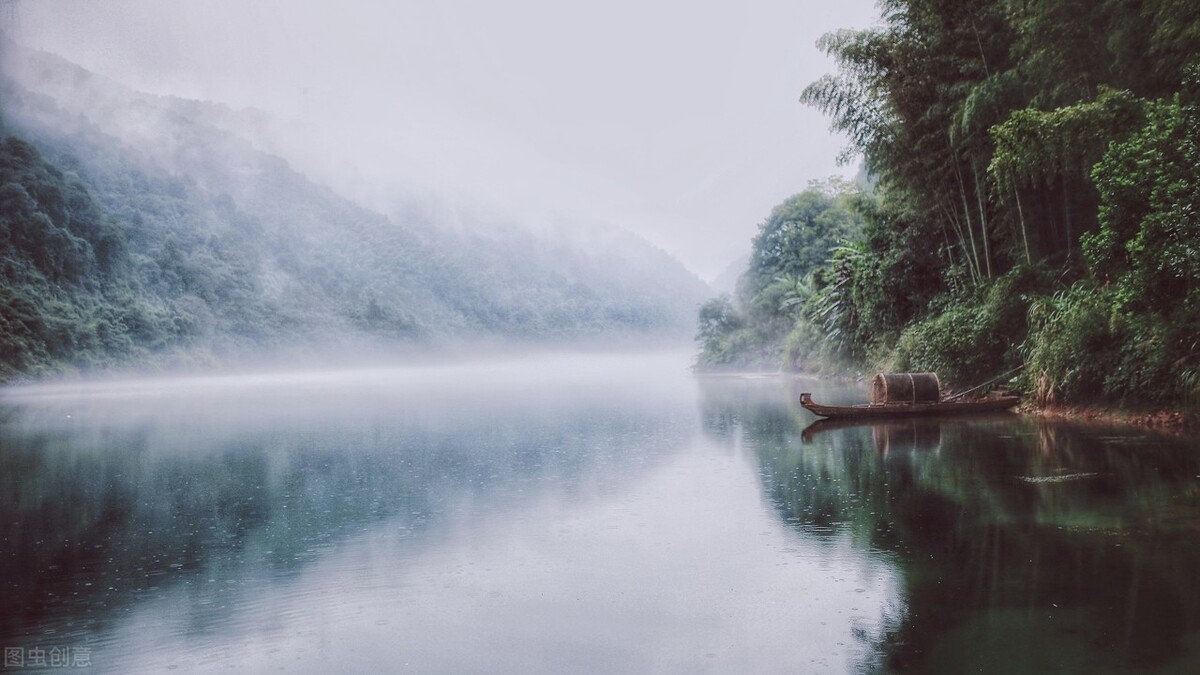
1037, 197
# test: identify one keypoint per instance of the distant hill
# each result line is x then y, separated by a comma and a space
726, 282
141, 228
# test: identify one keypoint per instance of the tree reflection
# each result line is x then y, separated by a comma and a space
103, 514
1024, 545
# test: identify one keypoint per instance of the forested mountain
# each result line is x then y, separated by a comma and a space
135, 229
1038, 195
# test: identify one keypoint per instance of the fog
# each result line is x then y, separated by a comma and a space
530, 514
677, 120
417, 392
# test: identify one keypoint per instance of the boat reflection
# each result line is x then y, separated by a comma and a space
1022, 545
890, 436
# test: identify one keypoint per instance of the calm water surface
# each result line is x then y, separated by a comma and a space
579, 513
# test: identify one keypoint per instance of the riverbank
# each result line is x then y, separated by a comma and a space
1171, 421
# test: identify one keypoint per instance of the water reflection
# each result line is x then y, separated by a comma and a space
1023, 545
116, 495
539, 515
596, 513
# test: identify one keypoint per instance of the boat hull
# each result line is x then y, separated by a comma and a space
991, 404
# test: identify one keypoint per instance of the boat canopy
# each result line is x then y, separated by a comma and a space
906, 388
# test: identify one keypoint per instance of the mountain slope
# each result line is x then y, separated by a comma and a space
234, 252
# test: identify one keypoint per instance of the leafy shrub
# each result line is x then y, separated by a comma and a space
1072, 341
975, 336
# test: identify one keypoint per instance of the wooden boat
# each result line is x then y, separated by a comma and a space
940, 407
899, 394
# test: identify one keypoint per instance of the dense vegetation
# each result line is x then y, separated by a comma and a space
133, 229
68, 289
786, 282
1037, 197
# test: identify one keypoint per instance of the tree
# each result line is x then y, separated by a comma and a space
788, 266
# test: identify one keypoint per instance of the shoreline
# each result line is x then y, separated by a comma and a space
1166, 420
1171, 421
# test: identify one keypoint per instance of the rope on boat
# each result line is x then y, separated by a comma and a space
999, 377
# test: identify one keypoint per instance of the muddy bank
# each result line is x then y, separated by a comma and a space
1173, 421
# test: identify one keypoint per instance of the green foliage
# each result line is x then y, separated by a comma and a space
942, 91
915, 97
1131, 333
67, 298
721, 334
1035, 146
897, 273
1010, 136
1073, 343
799, 236
823, 336
1046, 157
787, 284
833, 307
1149, 238
974, 336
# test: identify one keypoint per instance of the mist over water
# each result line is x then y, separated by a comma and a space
537, 513
594, 512
415, 220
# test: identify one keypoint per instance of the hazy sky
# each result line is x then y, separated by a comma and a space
677, 119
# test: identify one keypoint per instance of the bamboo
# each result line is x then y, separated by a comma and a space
962, 191
962, 240
983, 228
1021, 217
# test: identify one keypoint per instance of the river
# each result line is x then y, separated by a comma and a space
600, 513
